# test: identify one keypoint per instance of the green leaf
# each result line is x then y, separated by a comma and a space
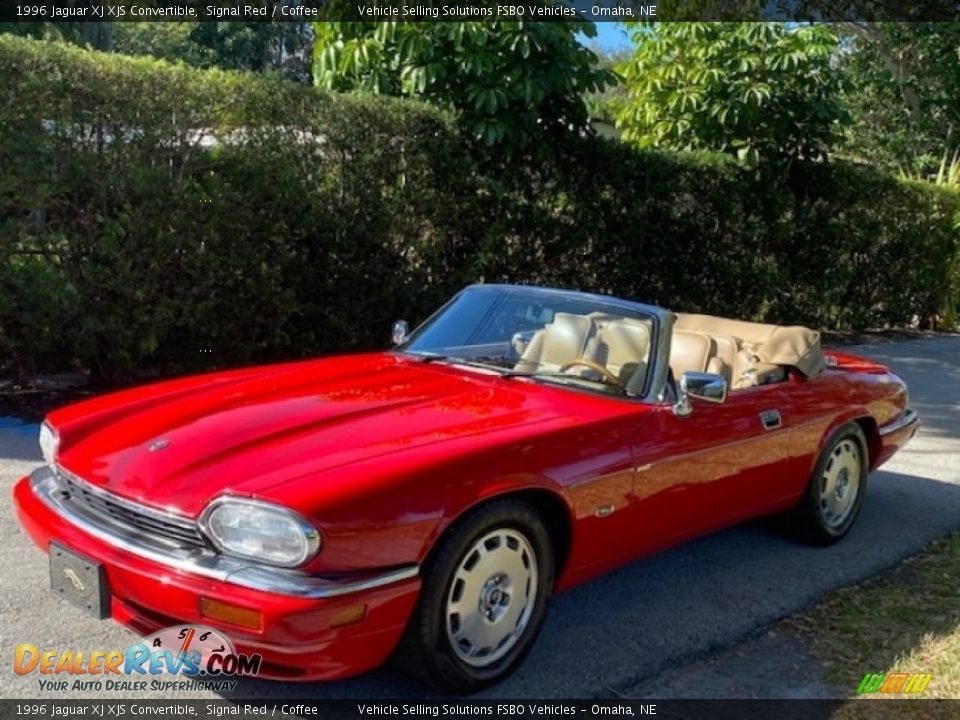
539, 71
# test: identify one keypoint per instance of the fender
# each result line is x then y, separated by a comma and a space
853, 414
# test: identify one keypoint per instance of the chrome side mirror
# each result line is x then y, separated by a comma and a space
400, 331
702, 386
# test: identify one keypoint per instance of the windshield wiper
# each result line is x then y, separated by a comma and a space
431, 357
548, 375
453, 359
535, 373
557, 375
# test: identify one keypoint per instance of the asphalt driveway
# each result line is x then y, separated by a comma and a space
626, 628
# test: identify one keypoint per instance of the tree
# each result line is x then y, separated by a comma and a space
64, 31
167, 40
760, 90
604, 104
904, 93
510, 81
257, 46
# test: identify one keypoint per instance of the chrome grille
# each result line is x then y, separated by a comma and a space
108, 510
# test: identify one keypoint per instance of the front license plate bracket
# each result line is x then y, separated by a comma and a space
79, 580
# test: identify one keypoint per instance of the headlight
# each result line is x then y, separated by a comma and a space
49, 443
259, 531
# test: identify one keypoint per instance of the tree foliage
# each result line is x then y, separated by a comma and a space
510, 81
258, 46
759, 90
904, 93
605, 104
163, 218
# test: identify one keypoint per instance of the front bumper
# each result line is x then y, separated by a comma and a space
152, 590
894, 435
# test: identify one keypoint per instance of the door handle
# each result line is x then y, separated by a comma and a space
770, 419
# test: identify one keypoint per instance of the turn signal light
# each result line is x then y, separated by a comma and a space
234, 614
348, 615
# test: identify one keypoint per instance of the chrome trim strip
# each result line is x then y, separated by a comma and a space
167, 516
906, 419
47, 488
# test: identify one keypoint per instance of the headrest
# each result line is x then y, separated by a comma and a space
566, 337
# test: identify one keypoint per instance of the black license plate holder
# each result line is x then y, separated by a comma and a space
79, 580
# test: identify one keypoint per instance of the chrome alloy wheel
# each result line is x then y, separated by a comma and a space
492, 597
840, 483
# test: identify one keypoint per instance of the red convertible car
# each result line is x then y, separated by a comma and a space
425, 502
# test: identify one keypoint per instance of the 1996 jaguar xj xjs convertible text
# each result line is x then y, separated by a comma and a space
427, 501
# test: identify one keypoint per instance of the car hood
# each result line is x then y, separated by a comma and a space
177, 447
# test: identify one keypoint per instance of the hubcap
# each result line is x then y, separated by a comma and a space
491, 597
840, 483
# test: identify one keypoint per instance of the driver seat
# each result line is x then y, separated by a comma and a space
566, 338
624, 348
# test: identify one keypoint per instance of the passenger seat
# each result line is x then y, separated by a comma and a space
689, 352
724, 357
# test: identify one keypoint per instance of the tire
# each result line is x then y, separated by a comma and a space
492, 570
827, 511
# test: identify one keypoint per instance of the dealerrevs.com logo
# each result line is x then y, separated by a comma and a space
200, 657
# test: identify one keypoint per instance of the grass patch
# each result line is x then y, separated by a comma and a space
906, 620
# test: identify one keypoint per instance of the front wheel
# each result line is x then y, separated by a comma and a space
835, 491
484, 597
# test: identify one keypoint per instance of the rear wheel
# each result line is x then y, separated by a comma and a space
484, 597
835, 491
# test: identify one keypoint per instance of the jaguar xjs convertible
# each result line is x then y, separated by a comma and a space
425, 502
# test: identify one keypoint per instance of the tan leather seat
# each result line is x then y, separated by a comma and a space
623, 346
565, 338
763, 352
689, 352
620, 344
713, 353
724, 357
717, 366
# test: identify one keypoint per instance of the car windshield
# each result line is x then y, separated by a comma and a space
551, 336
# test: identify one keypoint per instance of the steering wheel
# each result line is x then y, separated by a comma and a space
593, 365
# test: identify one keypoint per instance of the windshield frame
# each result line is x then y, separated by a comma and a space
655, 382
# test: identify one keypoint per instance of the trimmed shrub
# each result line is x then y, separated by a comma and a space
203, 217
157, 216
835, 245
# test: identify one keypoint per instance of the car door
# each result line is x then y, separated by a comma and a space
813, 406
720, 464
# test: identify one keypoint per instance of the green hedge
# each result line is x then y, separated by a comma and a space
156, 216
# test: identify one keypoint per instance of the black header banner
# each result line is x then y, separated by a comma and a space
489, 10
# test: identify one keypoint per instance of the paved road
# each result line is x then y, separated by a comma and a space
623, 630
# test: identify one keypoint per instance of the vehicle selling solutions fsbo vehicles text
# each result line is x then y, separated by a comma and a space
464, 11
